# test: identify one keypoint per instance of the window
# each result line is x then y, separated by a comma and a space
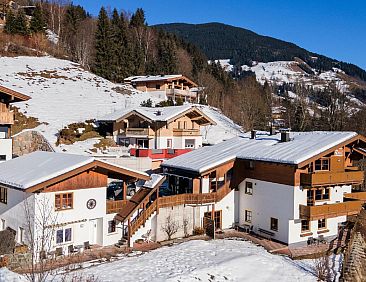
64, 201
2, 158
322, 164
185, 125
249, 188
169, 143
305, 225
3, 195
124, 142
274, 224
111, 226
21, 235
322, 223
3, 224
217, 218
143, 143
157, 86
63, 236
189, 143
248, 216
322, 194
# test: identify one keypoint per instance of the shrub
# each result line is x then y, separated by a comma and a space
198, 231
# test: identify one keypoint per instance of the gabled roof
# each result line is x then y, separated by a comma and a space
39, 169
268, 148
156, 114
17, 97
151, 78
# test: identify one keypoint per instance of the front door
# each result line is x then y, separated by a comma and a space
95, 231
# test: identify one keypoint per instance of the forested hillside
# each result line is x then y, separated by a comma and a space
117, 44
242, 46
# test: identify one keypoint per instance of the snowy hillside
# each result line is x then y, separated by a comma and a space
64, 93
280, 72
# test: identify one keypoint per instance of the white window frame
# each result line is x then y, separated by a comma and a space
64, 236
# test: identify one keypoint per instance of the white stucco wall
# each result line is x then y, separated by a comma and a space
6, 148
14, 212
268, 200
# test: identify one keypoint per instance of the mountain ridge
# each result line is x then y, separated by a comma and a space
243, 46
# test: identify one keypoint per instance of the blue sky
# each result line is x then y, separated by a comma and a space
330, 27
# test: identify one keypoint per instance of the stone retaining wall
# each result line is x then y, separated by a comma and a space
30, 141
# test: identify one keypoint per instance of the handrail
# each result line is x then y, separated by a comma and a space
142, 217
115, 206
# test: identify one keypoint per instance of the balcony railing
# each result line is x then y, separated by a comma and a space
350, 176
180, 92
186, 132
195, 199
361, 196
6, 118
115, 206
330, 210
139, 132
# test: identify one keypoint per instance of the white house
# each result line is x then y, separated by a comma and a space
157, 132
288, 186
70, 191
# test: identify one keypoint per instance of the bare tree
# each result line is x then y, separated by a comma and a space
322, 268
186, 222
39, 229
170, 227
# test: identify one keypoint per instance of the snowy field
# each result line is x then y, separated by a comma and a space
214, 261
63, 93
219, 260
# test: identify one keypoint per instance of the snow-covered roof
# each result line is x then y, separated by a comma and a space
35, 168
302, 146
152, 77
153, 114
154, 180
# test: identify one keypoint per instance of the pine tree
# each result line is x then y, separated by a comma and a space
103, 54
10, 22
37, 23
21, 26
138, 18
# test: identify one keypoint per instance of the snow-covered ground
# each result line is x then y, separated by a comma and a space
218, 260
63, 93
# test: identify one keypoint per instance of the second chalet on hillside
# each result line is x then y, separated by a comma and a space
157, 132
173, 86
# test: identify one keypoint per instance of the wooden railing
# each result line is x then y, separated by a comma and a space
142, 217
180, 92
6, 118
186, 132
356, 196
351, 176
195, 199
115, 206
139, 131
330, 210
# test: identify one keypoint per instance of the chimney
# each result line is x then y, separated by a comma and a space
158, 113
253, 134
285, 136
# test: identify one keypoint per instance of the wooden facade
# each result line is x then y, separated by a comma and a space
84, 180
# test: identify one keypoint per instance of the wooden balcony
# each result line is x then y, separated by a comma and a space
350, 176
361, 196
180, 92
6, 118
330, 210
115, 206
186, 132
195, 199
139, 132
